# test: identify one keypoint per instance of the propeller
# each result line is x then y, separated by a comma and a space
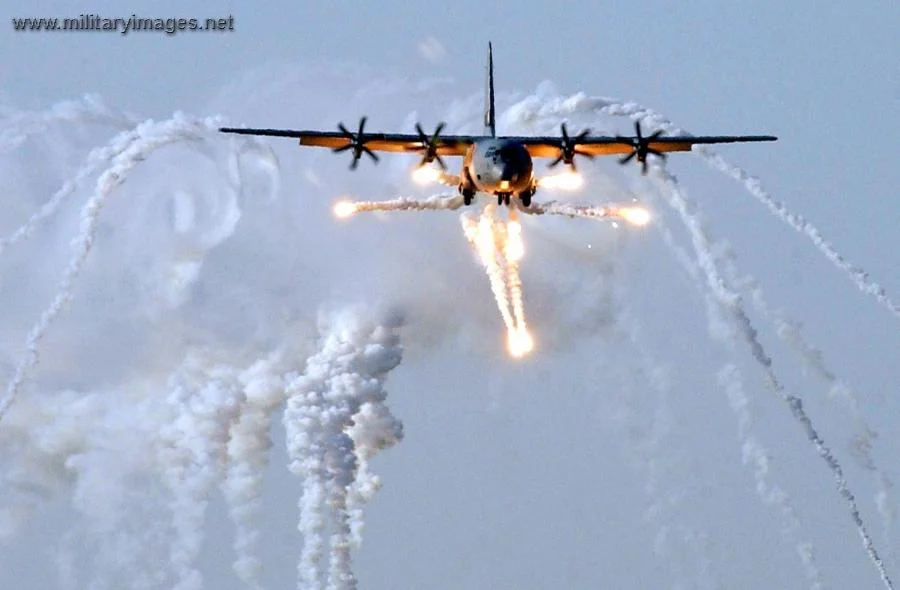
357, 143
640, 147
430, 146
568, 147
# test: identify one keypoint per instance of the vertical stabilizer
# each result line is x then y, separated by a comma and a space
489, 122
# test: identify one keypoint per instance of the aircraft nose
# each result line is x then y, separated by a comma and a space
509, 172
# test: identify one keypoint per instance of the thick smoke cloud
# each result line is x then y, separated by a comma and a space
168, 291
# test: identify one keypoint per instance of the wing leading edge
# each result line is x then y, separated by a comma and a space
539, 147
447, 145
549, 147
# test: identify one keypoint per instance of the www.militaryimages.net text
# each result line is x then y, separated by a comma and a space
123, 26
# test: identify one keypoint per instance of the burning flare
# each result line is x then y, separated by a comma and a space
500, 247
344, 209
515, 246
426, 174
567, 181
520, 342
635, 215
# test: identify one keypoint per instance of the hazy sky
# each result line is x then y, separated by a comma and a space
569, 468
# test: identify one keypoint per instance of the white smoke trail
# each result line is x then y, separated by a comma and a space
342, 467
731, 302
786, 330
887, 509
116, 450
205, 399
248, 446
812, 358
499, 247
481, 235
338, 402
97, 156
659, 457
630, 213
374, 429
754, 453
151, 136
569, 210
432, 203
582, 104
753, 185
122, 547
18, 127
92, 445
306, 452
360, 382
512, 253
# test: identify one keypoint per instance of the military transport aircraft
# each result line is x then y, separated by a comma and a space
500, 166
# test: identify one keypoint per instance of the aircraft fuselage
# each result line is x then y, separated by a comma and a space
500, 167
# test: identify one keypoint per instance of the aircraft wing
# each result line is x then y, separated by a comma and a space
549, 147
446, 145
539, 147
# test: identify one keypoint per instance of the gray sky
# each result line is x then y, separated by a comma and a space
568, 468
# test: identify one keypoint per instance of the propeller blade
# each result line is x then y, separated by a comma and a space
644, 167
440, 162
655, 135
430, 144
637, 131
356, 142
626, 159
555, 162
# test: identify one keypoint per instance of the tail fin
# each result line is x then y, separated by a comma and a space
489, 122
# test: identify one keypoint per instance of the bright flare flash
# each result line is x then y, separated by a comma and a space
567, 181
426, 174
520, 343
635, 215
515, 246
344, 209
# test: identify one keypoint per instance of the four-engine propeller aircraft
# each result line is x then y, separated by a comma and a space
500, 166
